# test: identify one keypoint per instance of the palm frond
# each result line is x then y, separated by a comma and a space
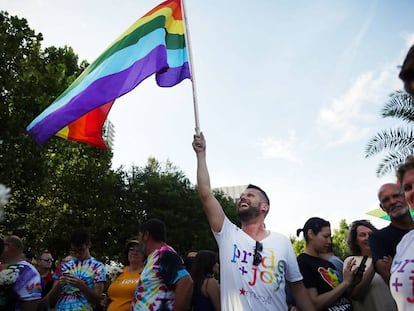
392, 160
400, 105
398, 138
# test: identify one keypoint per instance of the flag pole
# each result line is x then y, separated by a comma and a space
190, 62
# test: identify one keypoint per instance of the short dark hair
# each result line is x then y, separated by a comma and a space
407, 71
80, 236
250, 186
156, 229
315, 224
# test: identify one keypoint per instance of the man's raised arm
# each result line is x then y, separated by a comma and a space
212, 207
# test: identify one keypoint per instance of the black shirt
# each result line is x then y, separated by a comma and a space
384, 241
321, 274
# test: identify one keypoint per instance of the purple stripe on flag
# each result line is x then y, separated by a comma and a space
173, 75
100, 92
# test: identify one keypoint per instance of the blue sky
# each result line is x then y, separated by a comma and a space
289, 92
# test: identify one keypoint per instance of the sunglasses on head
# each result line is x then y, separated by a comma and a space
257, 256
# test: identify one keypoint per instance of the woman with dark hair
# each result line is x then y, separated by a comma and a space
206, 296
122, 288
371, 293
323, 282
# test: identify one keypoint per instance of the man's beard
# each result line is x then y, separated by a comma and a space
248, 214
401, 213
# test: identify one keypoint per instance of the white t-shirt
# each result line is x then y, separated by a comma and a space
247, 287
402, 273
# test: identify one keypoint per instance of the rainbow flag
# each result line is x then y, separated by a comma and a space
153, 44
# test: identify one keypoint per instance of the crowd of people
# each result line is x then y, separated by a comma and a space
258, 268
258, 271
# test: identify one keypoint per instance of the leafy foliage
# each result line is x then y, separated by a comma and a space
298, 245
339, 240
61, 185
163, 192
18, 74
52, 189
397, 142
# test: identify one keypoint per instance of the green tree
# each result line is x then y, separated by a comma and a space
79, 192
398, 142
339, 238
52, 185
20, 168
163, 191
298, 245
62, 184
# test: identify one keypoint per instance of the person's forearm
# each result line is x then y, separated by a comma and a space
301, 296
211, 206
359, 290
92, 295
203, 177
383, 268
53, 296
327, 299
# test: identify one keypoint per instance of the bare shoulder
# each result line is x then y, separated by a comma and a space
211, 285
212, 281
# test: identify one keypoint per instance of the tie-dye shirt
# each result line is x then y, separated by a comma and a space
90, 271
321, 274
154, 290
27, 285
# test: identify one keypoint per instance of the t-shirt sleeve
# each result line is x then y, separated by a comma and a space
227, 232
306, 272
292, 270
28, 285
171, 268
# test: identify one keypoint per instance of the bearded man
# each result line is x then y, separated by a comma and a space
255, 263
383, 242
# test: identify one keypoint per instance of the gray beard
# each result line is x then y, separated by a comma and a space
249, 214
401, 214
